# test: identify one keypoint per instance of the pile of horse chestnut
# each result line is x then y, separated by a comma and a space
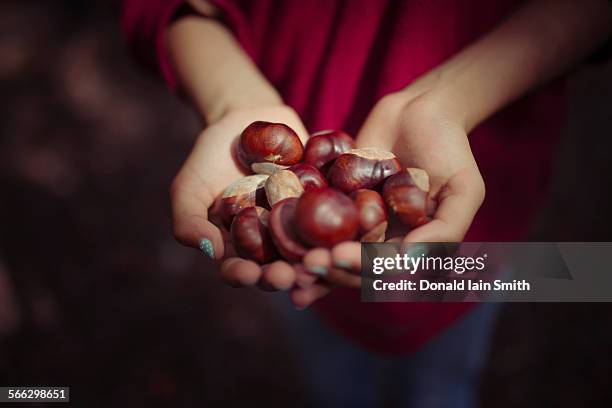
318, 195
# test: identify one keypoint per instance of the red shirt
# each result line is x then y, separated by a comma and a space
332, 60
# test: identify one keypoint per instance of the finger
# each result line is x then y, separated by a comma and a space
279, 275
344, 278
304, 278
458, 203
304, 297
190, 202
385, 111
347, 255
346, 258
301, 132
238, 272
317, 261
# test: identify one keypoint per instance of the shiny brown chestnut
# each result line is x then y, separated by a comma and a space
282, 184
243, 193
371, 209
325, 146
282, 228
269, 142
325, 217
362, 168
407, 194
251, 236
309, 176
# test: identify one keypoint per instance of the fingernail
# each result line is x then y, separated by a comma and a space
318, 270
206, 246
343, 264
300, 308
417, 250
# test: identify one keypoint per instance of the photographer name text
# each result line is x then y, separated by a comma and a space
454, 285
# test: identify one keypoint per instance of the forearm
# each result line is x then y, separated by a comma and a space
539, 42
213, 70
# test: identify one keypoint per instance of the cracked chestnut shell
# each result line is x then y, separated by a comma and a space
362, 168
283, 184
269, 142
325, 217
407, 194
325, 146
251, 237
243, 193
266, 168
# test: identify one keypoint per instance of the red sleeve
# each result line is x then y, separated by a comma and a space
143, 23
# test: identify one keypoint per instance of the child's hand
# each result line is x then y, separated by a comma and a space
229, 92
421, 135
209, 169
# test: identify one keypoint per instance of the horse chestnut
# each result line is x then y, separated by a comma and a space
325, 146
244, 193
309, 176
269, 142
251, 236
376, 234
325, 217
283, 184
282, 228
362, 168
407, 194
371, 209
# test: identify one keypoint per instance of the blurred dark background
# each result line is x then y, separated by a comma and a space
96, 295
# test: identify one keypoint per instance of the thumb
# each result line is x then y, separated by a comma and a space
370, 135
379, 128
459, 200
191, 200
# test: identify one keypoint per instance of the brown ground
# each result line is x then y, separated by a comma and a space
95, 294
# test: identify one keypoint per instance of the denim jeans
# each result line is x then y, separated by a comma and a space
443, 373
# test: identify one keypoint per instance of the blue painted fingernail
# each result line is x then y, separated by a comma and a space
343, 264
206, 246
318, 270
417, 250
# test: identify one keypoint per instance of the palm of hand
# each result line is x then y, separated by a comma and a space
211, 164
210, 168
421, 137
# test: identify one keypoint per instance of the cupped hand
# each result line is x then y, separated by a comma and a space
209, 169
423, 135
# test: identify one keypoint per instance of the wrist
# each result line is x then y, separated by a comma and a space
239, 98
213, 70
